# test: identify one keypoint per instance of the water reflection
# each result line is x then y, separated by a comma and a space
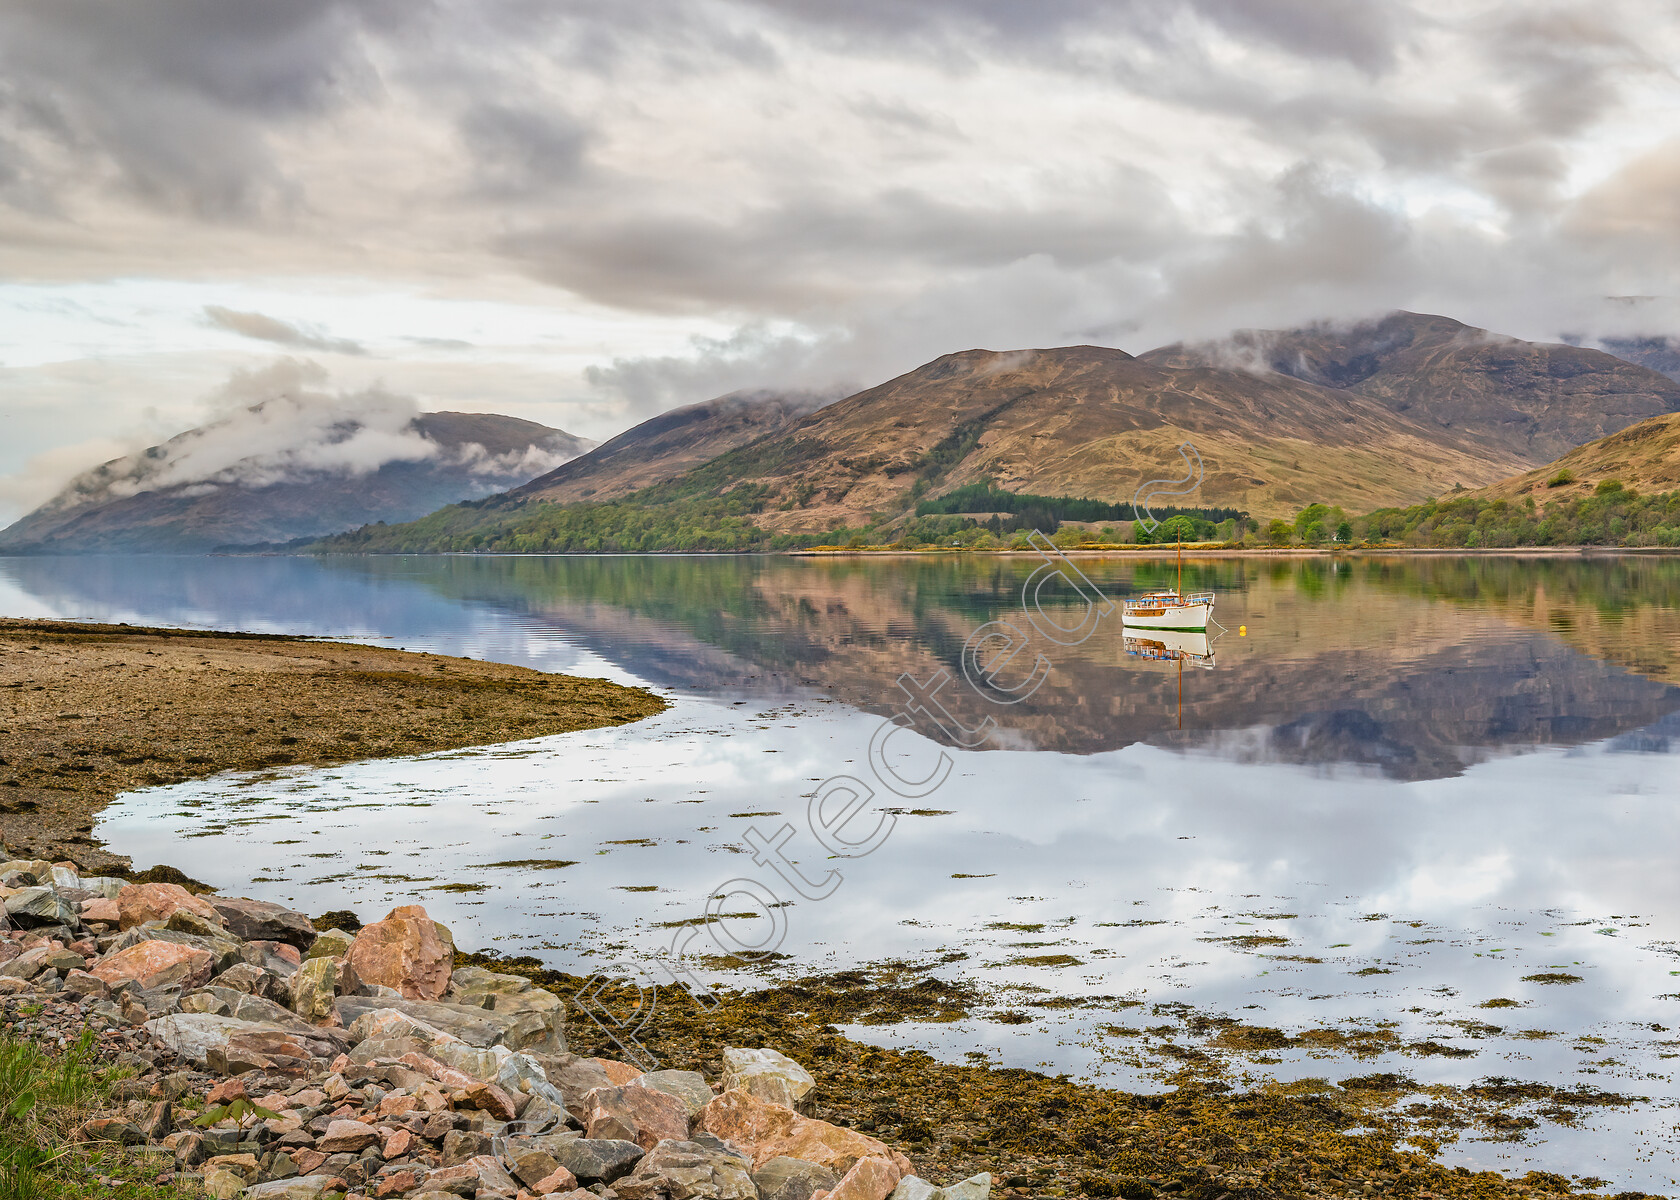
1417, 667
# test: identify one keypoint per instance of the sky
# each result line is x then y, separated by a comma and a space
586, 213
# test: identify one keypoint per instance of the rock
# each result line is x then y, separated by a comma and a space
913, 1187
460, 1144
194, 1036
282, 1051
155, 964
574, 1078
306, 1187
314, 988
28, 964
975, 1187
404, 952
389, 1023
688, 1086
223, 951
869, 1179
347, 1137
594, 1161
111, 1129
500, 993
39, 906
678, 1169
222, 1183
258, 920
535, 1165
768, 1074
82, 983
158, 1121
767, 1131
184, 920
786, 1178
330, 943
561, 1181
540, 1032
141, 902
254, 980
101, 910
619, 1073
64, 875
104, 886
482, 1173
635, 1114
487, 1097
277, 957
243, 1165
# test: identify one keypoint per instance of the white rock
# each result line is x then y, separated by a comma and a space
768, 1074
913, 1187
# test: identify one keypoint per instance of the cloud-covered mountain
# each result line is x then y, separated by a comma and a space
298, 463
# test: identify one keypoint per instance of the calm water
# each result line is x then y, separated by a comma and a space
1399, 787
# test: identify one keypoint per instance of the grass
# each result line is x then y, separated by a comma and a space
43, 1100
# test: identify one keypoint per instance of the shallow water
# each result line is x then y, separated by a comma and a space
1401, 786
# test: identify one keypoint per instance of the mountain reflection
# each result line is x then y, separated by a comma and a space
1415, 667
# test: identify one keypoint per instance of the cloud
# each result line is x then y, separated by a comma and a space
270, 329
268, 426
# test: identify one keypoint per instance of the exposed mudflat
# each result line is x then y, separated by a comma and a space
89, 711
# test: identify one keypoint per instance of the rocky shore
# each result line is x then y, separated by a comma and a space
275, 1060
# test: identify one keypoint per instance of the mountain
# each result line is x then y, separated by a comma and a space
1644, 456
667, 445
1092, 421
1535, 400
1387, 413
1661, 354
265, 476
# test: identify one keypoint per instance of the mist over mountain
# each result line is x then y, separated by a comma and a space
299, 462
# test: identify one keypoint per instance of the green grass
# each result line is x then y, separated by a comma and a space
43, 1100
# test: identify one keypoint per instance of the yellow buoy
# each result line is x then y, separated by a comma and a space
1242, 630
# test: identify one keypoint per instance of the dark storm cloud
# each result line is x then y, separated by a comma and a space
520, 149
270, 329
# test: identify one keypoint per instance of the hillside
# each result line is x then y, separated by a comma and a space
150, 503
1534, 400
1644, 457
667, 445
1365, 417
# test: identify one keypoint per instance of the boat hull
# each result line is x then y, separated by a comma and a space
1168, 616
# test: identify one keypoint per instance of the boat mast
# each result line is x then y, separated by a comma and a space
1181, 566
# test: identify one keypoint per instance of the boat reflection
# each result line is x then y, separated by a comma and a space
1169, 645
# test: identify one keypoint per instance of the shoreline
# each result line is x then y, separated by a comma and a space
92, 710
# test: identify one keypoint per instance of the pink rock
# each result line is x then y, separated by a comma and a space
618, 1073
449, 1077
635, 1114
403, 952
869, 1179
398, 1144
561, 1180
765, 1131
155, 964
141, 902
101, 909
347, 1137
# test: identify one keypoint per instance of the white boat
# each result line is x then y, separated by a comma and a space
1169, 610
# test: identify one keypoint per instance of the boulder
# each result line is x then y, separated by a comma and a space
229, 1003
100, 910
389, 1023
678, 1170
258, 920
635, 1114
277, 957
537, 1031
869, 1179
594, 1161
304, 1187
37, 906
618, 1073
767, 1131
28, 964
280, 1051
314, 989
104, 886
155, 964
535, 1165
478, 1176
688, 1086
573, 1077
403, 952
975, 1187
141, 902
792, 1179
913, 1187
331, 943
500, 993
768, 1074
198, 1037
255, 981
223, 951
347, 1137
